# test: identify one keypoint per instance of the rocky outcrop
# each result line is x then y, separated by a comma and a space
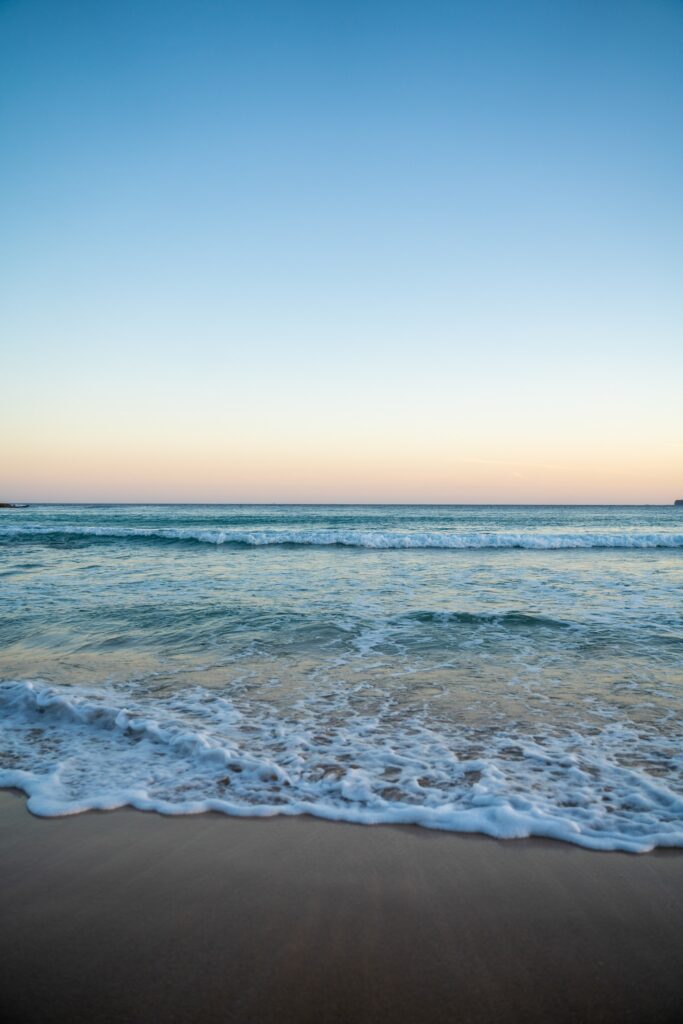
678, 501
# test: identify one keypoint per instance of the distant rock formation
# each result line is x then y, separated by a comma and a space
10, 504
678, 501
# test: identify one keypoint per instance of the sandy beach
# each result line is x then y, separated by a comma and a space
135, 917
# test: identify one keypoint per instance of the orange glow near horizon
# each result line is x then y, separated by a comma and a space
294, 469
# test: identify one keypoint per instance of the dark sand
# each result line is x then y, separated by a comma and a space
130, 917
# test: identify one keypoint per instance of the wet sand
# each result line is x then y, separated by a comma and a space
129, 917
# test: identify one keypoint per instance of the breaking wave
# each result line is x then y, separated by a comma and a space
373, 539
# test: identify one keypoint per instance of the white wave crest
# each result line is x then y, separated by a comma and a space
374, 539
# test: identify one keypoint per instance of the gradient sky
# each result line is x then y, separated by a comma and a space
341, 251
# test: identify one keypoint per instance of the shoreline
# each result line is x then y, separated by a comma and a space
312, 815
133, 916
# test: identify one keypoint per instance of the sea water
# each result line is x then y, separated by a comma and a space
508, 670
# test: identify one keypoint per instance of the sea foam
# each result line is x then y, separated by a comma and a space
72, 749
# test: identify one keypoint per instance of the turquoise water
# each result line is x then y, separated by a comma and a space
510, 670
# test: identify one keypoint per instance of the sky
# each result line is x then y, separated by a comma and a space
341, 251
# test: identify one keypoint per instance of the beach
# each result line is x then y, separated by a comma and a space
138, 917
341, 765
341, 558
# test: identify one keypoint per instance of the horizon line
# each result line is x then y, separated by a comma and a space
357, 504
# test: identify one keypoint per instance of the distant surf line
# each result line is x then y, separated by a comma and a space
370, 539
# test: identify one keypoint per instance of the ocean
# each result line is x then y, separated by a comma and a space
514, 671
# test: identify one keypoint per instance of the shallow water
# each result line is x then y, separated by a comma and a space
509, 670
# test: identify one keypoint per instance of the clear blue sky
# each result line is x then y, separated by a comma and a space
342, 250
